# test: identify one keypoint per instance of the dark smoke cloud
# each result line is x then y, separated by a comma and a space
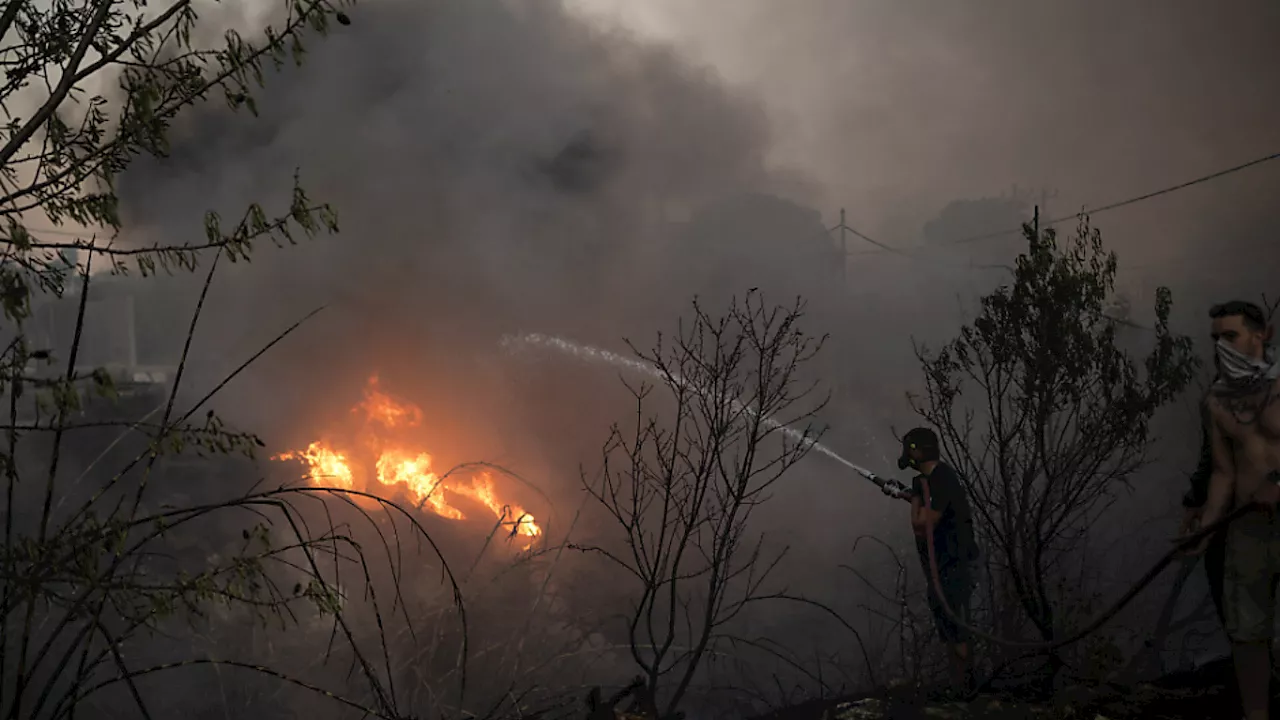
494, 167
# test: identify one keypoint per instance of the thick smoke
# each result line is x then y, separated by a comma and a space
502, 166
497, 167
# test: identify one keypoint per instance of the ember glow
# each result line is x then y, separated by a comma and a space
383, 458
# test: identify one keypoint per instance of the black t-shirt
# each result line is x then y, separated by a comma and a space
953, 539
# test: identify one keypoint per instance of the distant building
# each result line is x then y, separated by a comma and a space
109, 341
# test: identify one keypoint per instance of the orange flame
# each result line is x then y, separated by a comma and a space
325, 464
381, 408
383, 422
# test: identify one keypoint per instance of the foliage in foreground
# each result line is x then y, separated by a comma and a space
88, 581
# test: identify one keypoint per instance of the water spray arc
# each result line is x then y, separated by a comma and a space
888, 486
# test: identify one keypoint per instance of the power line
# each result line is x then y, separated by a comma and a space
1046, 223
853, 231
1133, 200
973, 238
845, 227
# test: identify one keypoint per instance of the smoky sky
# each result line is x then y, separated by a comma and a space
522, 136
897, 108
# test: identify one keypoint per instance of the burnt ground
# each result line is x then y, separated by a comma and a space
1202, 694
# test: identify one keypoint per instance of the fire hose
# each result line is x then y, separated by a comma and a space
898, 491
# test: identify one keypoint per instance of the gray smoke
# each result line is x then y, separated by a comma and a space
497, 167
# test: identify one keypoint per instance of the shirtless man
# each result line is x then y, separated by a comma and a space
1244, 413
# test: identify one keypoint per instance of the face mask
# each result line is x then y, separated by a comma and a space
1236, 369
905, 461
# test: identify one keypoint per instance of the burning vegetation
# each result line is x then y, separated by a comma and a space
383, 457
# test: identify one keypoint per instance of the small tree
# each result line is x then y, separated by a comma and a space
1046, 416
683, 486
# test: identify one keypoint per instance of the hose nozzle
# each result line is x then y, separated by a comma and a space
892, 488
896, 490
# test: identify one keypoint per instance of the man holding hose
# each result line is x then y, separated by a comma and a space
940, 507
1244, 430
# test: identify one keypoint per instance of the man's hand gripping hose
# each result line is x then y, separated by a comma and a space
897, 490
890, 487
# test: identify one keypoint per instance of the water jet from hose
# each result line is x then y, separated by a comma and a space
595, 355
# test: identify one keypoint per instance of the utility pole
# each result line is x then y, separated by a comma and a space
844, 253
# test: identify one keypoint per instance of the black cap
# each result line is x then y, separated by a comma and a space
921, 438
